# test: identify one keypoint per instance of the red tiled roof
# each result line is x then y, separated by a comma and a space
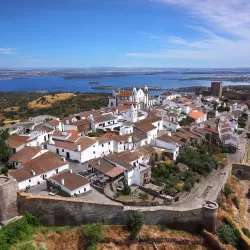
15, 141
196, 114
40, 165
72, 181
25, 154
127, 94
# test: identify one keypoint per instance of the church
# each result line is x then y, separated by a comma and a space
139, 98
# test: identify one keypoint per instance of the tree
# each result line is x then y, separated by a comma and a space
246, 231
4, 153
228, 234
135, 224
126, 188
227, 190
4, 170
93, 233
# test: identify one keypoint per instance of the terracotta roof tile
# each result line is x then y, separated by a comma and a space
103, 118
53, 123
15, 141
125, 94
85, 143
196, 114
25, 154
106, 167
40, 165
72, 181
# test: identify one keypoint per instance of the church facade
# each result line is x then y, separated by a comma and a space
139, 98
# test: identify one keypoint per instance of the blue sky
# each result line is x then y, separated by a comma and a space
125, 33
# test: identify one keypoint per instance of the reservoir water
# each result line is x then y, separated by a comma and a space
56, 83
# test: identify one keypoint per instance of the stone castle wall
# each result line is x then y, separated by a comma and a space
72, 211
8, 198
241, 170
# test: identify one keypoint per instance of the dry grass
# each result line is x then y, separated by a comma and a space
14, 108
147, 246
48, 100
236, 216
114, 237
10, 121
70, 240
239, 214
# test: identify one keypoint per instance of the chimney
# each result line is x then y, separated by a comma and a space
62, 181
63, 159
67, 122
99, 162
33, 172
78, 147
70, 171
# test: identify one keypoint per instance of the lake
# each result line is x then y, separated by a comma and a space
55, 83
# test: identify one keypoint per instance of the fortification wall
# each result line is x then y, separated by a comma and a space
8, 198
241, 170
72, 211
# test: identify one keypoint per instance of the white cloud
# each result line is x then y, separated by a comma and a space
229, 18
6, 51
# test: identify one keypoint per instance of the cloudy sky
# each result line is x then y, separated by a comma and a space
125, 33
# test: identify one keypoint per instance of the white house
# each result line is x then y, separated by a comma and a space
170, 125
24, 155
135, 164
17, 142
169, 144
76, 148
71, 183
198, 116
151, 126
104, 121
167, 96
39, 169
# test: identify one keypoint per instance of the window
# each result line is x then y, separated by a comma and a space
29, 180
109, 143
79, 192
93, 146
102, 145
120, 142
62, 150
94, 152
84, 189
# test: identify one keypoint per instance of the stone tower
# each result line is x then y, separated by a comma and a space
216, 88
8, 198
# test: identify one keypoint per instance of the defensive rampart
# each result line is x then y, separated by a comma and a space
241, 170
72, 211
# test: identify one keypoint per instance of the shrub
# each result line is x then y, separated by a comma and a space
126, 188
93, 233
31, 219
228, 234
236, 202
227, 190
143, 196
135, 223
28, 246
187, 186
42, 246
246, 232
4, 170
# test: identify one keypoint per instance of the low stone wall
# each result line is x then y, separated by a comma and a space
241, 170
73, 211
